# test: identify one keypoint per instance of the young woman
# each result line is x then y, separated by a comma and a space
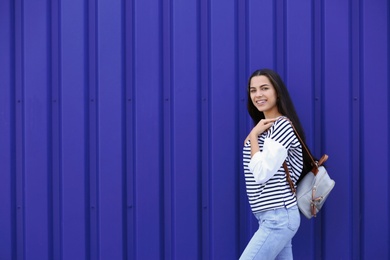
270, 143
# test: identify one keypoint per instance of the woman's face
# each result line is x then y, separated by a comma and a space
263, 95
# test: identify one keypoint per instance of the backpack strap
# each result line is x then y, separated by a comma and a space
314, 163
292, 187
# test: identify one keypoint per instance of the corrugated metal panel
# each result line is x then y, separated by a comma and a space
122, 124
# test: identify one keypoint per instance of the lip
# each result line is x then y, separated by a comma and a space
260, 102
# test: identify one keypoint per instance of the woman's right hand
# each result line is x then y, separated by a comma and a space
262, 126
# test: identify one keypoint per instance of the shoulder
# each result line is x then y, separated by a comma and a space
282, 131
281, 127
282, 122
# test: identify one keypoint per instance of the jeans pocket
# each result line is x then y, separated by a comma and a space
294, 219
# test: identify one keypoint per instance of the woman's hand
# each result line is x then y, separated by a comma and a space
261, 127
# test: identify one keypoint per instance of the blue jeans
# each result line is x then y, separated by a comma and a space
273, 238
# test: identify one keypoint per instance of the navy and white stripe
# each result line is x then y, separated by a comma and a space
276, 192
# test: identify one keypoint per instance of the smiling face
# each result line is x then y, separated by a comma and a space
264, 96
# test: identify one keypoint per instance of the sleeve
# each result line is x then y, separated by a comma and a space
263, 165
282, 132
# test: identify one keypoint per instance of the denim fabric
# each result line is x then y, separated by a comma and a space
273, 238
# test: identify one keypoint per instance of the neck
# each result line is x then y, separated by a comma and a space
274, 114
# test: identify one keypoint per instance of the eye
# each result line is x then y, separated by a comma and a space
252, 90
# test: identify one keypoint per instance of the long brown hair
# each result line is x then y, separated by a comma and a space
285, 107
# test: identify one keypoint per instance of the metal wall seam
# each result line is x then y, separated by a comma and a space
123, 139
7, 130
242, 71
54, 133
161, 131
129, 161
388, 109
355, 79
204, 75
19, 130
167, 181
318, 86
318, 71
92, 135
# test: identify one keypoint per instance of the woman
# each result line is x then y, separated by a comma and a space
270, 143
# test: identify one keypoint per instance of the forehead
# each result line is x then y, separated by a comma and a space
258, 81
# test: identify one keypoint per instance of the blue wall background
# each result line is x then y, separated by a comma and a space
122, 122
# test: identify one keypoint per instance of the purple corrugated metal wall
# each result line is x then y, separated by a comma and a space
122, 122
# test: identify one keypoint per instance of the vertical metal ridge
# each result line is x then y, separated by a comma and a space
320, 249
241, 67
355, 79
317, 69
204, 119
126, 145
318, 61
161, 141
130, 138
319, 116
13, 123
54, 132
86, 130
123, 112
388, 109
19, 130
167, 188
92, 132
361, 154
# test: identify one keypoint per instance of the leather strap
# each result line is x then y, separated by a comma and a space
314, 163
292, 187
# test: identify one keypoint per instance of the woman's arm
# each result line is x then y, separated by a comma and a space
263, 165
262, 126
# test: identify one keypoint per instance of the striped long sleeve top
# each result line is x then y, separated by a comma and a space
265, 178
